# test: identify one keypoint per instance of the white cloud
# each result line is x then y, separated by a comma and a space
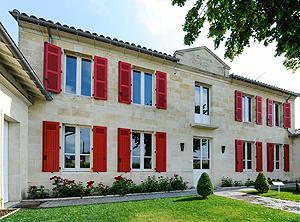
99, 6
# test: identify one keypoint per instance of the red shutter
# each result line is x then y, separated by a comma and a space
161, 149
258, 110
286, 158
238, 106
287, 115
50, 146
123, 150
161, 90
238, 156
270, 157
100, 78
99, 149
259, 160
124, 82
52, 67
269, 112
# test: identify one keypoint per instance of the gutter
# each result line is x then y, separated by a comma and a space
24, 63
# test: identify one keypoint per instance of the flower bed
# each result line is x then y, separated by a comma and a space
121, 186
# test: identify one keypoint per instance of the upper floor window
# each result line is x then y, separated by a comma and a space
247, 155
276, 114
78, 76
246, 108
201, 148
202, 109
277, 156
142, 87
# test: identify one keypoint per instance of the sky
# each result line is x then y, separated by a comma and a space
155, 24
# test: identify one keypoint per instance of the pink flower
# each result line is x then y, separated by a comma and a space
118, 178
89, 184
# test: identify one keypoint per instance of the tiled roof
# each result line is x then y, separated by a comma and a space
258, 83
48, 23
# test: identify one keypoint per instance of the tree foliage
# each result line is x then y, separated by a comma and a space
261, 183
204, 186
236, 22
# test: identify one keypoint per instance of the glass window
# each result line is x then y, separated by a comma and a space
85, 147
205, 103
136, 87
71, 64
200, 153
197, 99
148, 89
277, 156
136, 150
147, 151
141, 150
247, 156
69, 147
86, 77
276, 114
246, 103
202, 111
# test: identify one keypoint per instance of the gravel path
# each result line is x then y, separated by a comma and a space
290, 206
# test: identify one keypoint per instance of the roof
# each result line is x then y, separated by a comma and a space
258, 83
207, 49
22, 76
48, 23
296, 133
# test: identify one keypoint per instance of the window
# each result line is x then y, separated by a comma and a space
276, 156
77, 147
201, 153
247, 106
142, 87
141, 145
202, 104
276, 114
78, 76
247, 156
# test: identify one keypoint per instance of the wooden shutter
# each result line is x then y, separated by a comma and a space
99, 149
238, 106
123, 150
286, 115
52, 67
50, 146
124, 82
286, 157
259, 157
258, 107
269, 112
161, 90
100, 78
161, 148
238, 156
270, 157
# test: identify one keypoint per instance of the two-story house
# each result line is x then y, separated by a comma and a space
119, 108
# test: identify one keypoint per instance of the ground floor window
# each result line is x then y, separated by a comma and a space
276, 156
247, 155
141, 150
201, 153
77, 147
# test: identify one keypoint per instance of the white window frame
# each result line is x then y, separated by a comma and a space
77, 149
246, 156
201, 118
78, 74
279, 158
279, 114
246, 109
142, 87
142, 156
201, 157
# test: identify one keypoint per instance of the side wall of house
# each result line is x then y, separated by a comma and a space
296, 141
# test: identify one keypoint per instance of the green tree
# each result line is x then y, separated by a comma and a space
261, 183
204, 186
236, 22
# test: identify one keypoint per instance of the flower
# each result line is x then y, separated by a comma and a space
89, 184
118, 178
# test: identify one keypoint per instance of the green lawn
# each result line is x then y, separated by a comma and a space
169, 209
285, 194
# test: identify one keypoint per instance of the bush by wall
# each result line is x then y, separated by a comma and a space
204, 186
226, 182
35, 192
261, 183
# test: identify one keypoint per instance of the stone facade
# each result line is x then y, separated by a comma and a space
177, 120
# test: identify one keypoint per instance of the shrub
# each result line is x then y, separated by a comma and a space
122, 186
164, 184
226, 182
261, 183
249, 182
101, 189
177, 183
204, 186
35, 192
67, 188
238, 183
149, 185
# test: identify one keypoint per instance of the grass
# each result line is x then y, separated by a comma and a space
285, 194
168, 209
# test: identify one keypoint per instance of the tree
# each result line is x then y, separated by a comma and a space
204, 186
261, 183
237, 22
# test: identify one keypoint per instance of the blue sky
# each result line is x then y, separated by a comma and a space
155, 24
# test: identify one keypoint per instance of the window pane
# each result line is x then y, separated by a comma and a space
135, 143
69, 161
249, 151
249, 165
148, 144
205, 101
249, 109
277, 166
85, 144
205, 164
276, 114
244, 150
244, 165
86, 77
148, 89
136, 87
85, 161
196, 149
277, 152
136, 162
197, 99
147, 163
69, 139
205, 149
196, 164
71, 64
